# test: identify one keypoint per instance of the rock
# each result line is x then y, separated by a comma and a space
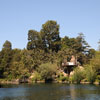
24, 79
71, 73
65, 74
31, 76
96, 83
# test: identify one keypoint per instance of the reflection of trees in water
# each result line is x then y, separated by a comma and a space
9, 98
72, 92
51, 92
14, 98
6, 98
77, 91
82, 92
46, 92
13, 92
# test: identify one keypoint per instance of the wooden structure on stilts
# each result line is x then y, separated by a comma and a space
69, 65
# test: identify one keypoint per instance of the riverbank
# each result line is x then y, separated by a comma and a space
17, 81
77, 76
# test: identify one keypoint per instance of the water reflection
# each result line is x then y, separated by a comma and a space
49, 92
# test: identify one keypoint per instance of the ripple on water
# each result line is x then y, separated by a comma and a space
50, 92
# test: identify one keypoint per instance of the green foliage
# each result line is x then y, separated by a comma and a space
50, 35
78, 75
62, 78
92, 53
34, 40
7, 45
95, 62
47, 71
98, 78
5, 59
71, 80
36, 77
90, 73
78, 47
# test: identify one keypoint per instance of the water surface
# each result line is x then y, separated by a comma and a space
49, 92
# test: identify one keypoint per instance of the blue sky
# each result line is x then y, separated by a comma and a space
73, 16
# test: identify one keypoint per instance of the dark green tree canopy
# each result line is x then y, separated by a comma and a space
77, 46
7, 45
34, 40
84, 45
50, 35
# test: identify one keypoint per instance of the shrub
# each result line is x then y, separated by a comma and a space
90, 73
71, 80
36, 77
98, 78
78, 75
47, 71
95, 62
61, 77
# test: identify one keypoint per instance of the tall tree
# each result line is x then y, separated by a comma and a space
5, 61
5, 58
84, 49
50, 35
34, 40
83, 44
7, 45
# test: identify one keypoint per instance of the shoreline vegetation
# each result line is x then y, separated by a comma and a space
32, 82
46, 59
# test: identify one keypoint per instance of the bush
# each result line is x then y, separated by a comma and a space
36, 77
78, 75
61, 77
71, 80
95, 63
90, 73
47, 71
98, 78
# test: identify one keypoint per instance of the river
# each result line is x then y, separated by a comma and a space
50, 92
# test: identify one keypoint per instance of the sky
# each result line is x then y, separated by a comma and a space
73, 16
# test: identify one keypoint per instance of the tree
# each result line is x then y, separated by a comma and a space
77, 47
65, 42
50, 35
71, 43
1, 67
84, 46
34, 40
92, 53
99, 45
7, 45
5, 61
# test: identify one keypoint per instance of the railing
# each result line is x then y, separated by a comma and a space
69, 64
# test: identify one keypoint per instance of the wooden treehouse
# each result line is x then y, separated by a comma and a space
68, 66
